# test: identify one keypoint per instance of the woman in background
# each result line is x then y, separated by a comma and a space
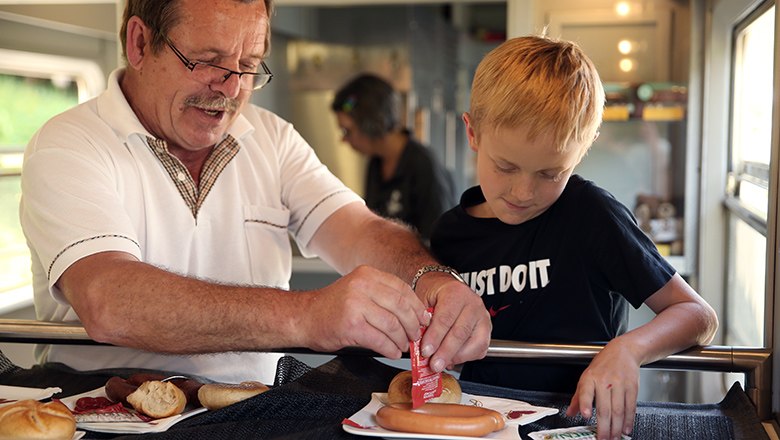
403, 181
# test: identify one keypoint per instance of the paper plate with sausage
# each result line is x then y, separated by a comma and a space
513, 412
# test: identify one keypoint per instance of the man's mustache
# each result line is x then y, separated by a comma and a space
220, 103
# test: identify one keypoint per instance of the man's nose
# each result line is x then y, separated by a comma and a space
230, 87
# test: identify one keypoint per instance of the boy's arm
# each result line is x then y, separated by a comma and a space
683, 319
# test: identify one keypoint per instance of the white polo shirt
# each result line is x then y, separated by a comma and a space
92, 183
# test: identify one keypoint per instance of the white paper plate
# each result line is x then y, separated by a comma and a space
368, 427
10, 394
158, 425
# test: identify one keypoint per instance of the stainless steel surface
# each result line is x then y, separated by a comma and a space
754, 362
29, 331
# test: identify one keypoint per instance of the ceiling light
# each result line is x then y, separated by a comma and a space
625, 47
626, 65
623, 8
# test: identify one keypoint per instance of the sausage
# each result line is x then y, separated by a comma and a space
117, 388
440, 419
138, 378
190, 388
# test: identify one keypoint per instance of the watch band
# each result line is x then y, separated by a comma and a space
435, 268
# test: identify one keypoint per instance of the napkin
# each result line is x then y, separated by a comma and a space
515, 412
9, 394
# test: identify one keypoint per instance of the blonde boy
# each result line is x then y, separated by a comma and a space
554, 257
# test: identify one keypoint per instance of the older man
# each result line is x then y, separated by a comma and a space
158, 215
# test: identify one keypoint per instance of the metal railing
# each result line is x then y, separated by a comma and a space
755, 363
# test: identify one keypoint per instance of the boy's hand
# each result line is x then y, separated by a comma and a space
460, 327
612, 381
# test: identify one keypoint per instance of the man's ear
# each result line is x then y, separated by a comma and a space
472, 137
138, 41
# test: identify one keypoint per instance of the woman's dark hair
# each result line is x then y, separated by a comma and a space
371, 102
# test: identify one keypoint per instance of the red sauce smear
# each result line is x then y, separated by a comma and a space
519, 413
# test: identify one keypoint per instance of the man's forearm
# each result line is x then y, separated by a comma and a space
402, 253
133, 304
353, 236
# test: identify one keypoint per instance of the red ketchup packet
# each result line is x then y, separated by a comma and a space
426, 384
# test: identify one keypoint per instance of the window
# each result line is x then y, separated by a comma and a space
747, 192
33, 88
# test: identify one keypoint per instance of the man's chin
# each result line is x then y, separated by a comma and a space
207, 138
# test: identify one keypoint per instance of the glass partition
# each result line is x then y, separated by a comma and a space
28, 98
747, 195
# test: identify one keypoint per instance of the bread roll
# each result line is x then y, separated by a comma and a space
219, 395
400, 389
30, 419
117, 388
158, 399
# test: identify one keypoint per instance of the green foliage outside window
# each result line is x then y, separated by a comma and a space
25, 104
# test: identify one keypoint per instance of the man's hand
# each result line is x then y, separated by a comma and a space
460, 327
612, 380
353, 235
366, 308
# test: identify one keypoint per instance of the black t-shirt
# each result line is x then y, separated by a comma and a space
565, 276
417, 194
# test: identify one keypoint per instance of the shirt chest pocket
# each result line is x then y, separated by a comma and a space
269, 245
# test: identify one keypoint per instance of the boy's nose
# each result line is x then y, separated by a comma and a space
523, 187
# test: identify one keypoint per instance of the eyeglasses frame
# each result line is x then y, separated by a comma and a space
190, 65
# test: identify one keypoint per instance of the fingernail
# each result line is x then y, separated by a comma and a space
428, 317
427, 351
437, 365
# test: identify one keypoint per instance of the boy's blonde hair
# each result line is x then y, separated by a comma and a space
540, 84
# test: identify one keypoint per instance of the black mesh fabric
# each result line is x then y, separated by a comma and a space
308, 403
731, 419
55, 375
289, 369
310, 407
6, 366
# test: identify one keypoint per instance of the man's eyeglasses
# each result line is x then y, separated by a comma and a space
210, 73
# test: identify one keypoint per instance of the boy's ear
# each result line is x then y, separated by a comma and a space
470, 132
